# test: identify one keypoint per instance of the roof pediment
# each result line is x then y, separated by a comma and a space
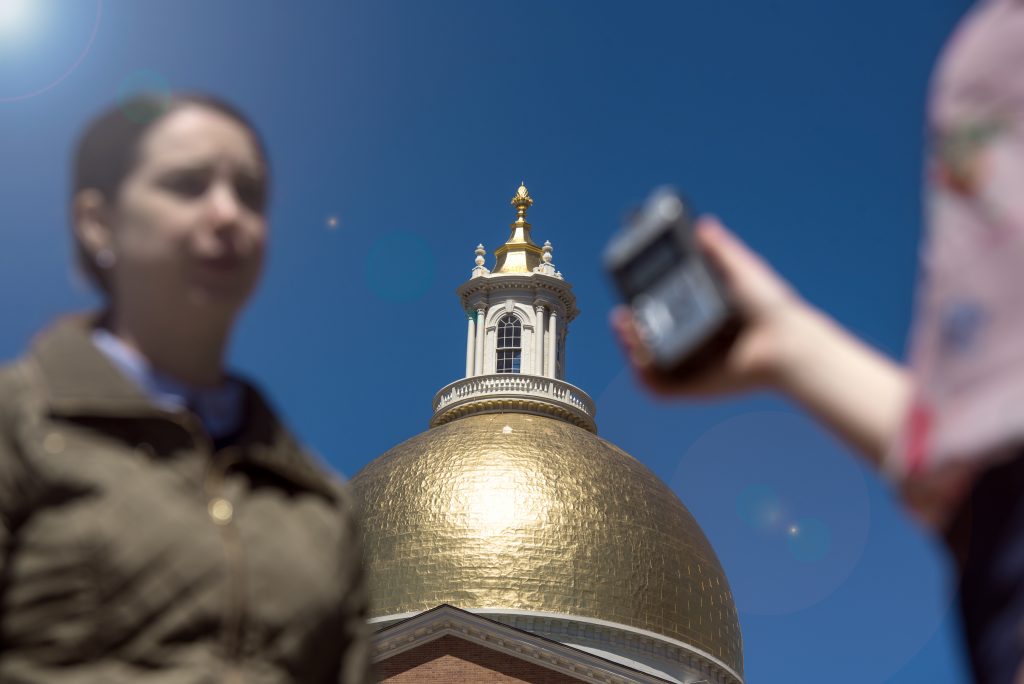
449, 621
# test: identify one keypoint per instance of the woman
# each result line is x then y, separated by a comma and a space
950, 428
159, 523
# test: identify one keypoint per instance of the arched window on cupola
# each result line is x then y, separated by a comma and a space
510, 348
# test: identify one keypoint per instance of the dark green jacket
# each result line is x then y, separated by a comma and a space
133, 551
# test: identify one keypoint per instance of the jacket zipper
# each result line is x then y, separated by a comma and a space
221, 514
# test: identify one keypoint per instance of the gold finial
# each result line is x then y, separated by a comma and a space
522, 201
519, 254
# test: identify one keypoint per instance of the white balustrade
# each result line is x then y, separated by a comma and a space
515, 385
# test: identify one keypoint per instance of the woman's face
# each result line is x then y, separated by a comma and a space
188, 228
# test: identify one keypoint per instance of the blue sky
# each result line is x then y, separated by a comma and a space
799, 122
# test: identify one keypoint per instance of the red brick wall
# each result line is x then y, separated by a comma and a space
450, 659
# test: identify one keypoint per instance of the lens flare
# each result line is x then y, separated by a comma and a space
760, 507
809, 540
400, 267
143, 81
773, 491
37, 38
16, 17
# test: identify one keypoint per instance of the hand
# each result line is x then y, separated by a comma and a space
769, 307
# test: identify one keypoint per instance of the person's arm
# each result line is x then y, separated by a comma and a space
787, 345
860, 394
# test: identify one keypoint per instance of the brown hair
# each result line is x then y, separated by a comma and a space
108, 149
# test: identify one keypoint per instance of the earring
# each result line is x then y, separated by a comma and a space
105, 258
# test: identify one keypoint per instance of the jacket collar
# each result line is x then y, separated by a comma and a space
79, 381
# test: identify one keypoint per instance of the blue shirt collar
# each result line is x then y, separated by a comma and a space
219, 408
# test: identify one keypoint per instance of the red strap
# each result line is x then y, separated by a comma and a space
920, 424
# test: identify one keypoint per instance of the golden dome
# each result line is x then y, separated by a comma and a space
530, 513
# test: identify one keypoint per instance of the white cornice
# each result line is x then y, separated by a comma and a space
538, 284
618, 640
447, 620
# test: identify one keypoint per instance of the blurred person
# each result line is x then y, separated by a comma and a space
949, 429
158, 522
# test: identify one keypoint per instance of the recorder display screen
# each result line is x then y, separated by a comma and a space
657, 259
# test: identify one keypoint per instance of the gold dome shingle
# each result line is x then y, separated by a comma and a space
525, 512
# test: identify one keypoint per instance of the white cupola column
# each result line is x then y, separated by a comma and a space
552, 338
538, 356
479, 360
470, 346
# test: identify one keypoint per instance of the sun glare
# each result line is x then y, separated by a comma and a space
16, 18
